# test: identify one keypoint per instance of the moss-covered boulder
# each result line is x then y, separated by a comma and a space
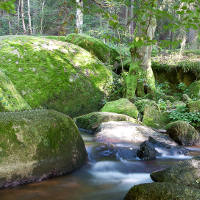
194, 106
121, 106
182, 173
155, 118
140, 104
182, 132
38, 144
162, 191
10, 99
194, 89
96, 47
53, 74
91, 121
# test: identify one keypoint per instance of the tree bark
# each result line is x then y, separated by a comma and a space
29, 18
18, 17
41, 21
79, 16
131, 28
140, 79
22, 14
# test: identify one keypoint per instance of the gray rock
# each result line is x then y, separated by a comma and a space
91, 121
163, 191
183, 173
183, 133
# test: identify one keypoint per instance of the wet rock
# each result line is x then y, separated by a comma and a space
91, 121
164, 191
170, 149
112, 150
184, 173
121, 106
183, 133
147, 151
38, 144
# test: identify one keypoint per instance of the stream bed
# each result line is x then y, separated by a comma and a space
103, 178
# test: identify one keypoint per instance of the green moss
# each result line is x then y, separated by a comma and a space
155, 118
140, 104
10, 100
53, 74
194, 106
121, 106
194, 89
97, 48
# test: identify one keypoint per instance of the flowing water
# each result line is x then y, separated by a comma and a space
103, 178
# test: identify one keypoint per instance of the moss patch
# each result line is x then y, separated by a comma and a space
121, 106
53, 74
194, 89
10, 99
154, 118
193, 106
97, 48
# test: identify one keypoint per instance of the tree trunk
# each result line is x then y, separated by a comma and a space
140, 79
41, 21
9, 24
131, 28
18, 17
22, 14
29, 18
79, 16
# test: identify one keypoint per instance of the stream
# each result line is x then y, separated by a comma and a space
103, 178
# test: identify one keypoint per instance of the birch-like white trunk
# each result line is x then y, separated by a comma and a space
79, 16
41, 21
22, 14
29, 18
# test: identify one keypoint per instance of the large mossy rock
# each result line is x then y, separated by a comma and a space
193, 106
183, 133
96, 47
10, 99
155, 118
53, 74
38, 144
91, 121
183, 173
162, 191
194, 89
121, 106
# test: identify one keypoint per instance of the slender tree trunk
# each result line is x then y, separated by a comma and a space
18, 17
41, 21
22, 14
140, 79
29, 18
79, 16
131, 27
9, 25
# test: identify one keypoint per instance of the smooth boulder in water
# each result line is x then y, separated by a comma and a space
38, 144
164, 191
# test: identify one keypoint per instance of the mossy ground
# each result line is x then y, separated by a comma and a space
53, 74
